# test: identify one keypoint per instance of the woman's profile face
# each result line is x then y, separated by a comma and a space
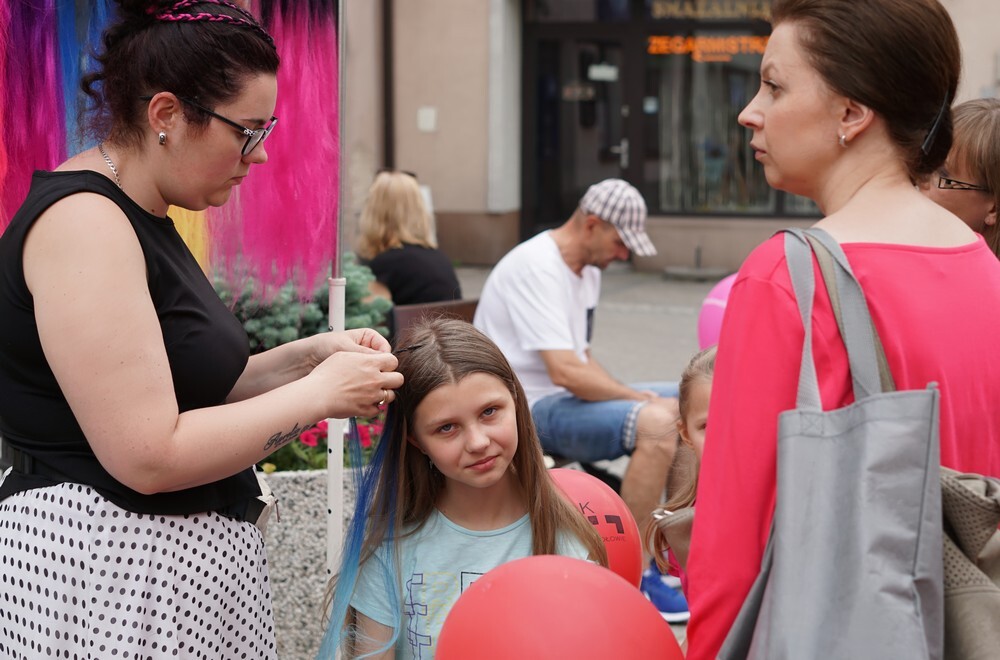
793, 117
974, 207
211, 162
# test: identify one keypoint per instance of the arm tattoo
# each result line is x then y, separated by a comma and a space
280, 439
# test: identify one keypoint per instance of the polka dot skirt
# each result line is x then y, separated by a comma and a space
82, 578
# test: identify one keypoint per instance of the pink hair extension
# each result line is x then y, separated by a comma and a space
288, 207
4, 39
34, 129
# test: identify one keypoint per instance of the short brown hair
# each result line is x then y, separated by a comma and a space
977, 146
901, 58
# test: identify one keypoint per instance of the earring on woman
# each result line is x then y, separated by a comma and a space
163, 137
842, 141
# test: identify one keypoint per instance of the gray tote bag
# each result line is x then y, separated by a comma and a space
853, 565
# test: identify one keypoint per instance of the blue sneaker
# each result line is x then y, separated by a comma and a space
664, 592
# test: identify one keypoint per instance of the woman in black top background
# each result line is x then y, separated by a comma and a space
128, 399
397, 242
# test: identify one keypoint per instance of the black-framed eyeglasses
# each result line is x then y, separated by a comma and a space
954, 184
254, 135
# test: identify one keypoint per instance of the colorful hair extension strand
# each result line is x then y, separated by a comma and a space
288, 209
366, 481
192, 227
5, 14
34, 129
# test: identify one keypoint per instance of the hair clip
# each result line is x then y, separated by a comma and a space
408, 348
659, 513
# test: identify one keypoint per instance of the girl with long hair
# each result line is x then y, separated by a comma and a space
457, 487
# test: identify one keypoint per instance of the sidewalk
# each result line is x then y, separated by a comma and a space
645, 329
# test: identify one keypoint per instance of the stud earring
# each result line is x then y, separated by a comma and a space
842, 141
163, 137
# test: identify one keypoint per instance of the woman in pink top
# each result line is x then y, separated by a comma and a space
853, 110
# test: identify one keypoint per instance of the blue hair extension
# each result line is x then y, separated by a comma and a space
69, 57
366, 483
101, 14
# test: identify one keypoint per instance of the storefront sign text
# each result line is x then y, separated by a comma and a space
708, 9
707, 49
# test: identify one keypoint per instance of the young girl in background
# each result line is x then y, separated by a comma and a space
456, 488
695, 392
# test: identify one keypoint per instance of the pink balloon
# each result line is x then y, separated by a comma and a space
712, 310
548, 606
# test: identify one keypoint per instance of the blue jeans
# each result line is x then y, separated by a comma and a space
591, 431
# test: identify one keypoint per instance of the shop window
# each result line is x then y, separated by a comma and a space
696, 157
578, 11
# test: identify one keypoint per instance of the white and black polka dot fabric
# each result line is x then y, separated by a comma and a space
82, 578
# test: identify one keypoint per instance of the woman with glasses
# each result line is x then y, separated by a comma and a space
129, 404
854, 109
968, 184
397, 242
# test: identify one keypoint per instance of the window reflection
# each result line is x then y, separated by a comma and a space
565, 11
696, 157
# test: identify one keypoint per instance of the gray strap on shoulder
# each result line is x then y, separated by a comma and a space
799, 258
869, 367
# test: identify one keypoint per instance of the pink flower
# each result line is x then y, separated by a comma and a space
321, 426
308, 438
364, 435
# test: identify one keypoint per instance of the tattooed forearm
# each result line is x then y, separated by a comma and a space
280, 439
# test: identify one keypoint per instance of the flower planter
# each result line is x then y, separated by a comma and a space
296, 555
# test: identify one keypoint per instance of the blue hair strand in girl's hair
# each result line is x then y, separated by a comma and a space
365, 482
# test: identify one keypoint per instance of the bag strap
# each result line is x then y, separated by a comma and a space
869, 369
800, 268
857, 325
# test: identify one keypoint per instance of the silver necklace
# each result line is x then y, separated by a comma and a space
111, 165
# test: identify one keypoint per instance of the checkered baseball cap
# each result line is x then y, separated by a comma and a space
617, 202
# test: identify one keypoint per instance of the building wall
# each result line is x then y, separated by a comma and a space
441, 67
462, 60
361, 142
976, 22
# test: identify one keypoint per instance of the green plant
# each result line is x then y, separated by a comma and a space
284, 318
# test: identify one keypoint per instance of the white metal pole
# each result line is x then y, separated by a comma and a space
335, 447
338, 286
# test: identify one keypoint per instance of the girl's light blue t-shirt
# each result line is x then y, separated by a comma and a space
438, 563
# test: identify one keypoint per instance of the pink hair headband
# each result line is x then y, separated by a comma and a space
174, 13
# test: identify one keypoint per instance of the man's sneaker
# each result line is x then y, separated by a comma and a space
664, 592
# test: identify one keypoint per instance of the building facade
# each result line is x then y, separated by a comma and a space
509, 109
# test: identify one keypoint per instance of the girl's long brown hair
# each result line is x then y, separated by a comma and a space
444, 351
435, 353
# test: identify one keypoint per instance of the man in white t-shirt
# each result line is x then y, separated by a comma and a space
538, 306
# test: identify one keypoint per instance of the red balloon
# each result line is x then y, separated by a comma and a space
549, 606
606, 511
